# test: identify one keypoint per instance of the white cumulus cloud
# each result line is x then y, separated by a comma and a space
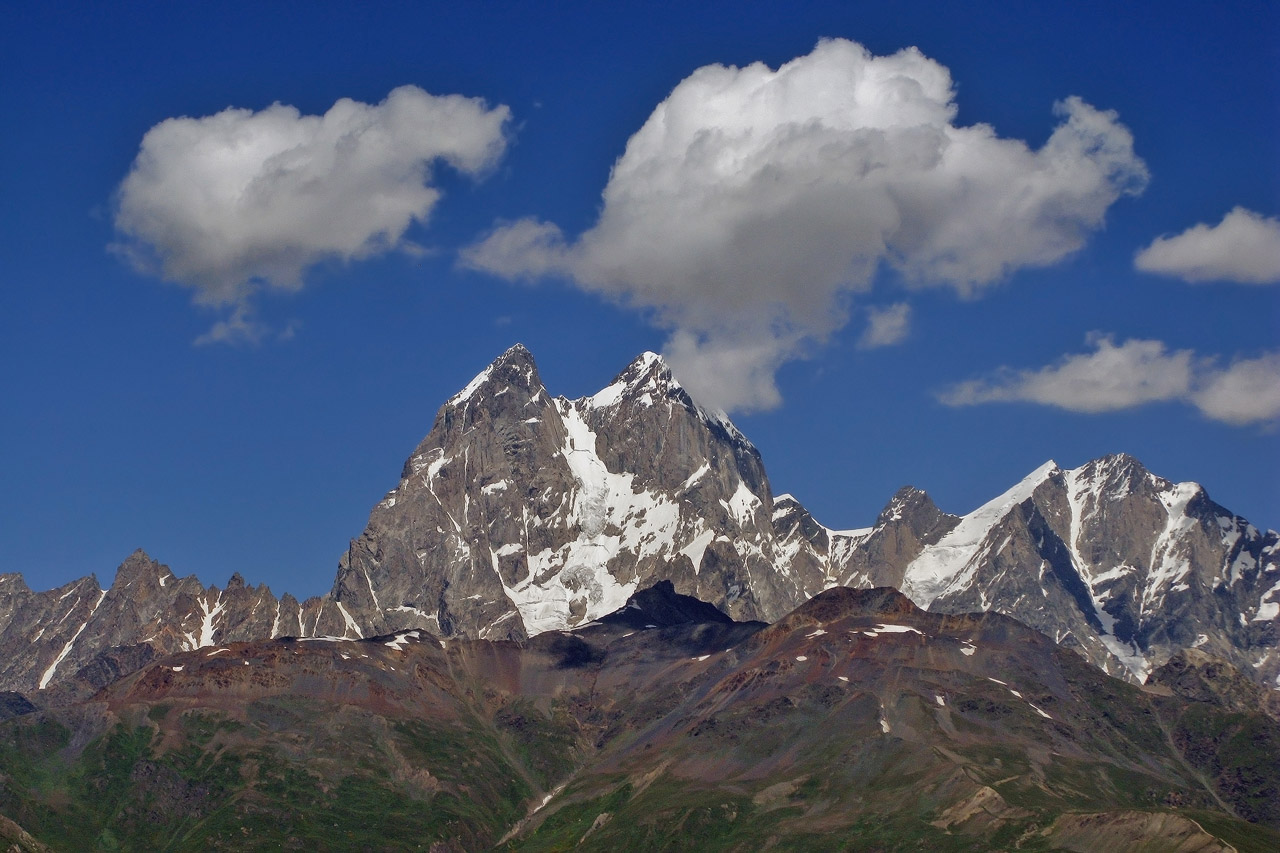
1246, 392
229, 203
886, 326
1244, 247
753, 202
1115, 376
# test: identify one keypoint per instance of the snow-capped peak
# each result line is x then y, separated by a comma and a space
649, 380
943, 566
646, 380
515, 365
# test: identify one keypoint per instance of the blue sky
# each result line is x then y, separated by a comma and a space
264, 452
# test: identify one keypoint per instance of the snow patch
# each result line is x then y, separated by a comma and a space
350, 624
1268, 605
697, 548
742, 505
472, 387
401, 640
208, 616
696, 476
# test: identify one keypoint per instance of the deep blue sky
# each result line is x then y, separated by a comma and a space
119, 433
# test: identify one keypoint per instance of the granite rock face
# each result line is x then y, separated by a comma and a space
81, 632
521, 513
1123, 566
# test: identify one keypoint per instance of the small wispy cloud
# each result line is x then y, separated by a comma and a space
1115, 377
753, 202
230, 203
1243, 248
886, 326
237, 329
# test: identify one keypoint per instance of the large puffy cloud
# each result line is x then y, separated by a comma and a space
753, 202
230, 202
1114, 377
1244, 247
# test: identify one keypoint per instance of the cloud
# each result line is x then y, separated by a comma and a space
241, 200
239, 328
756, 202
1246, 392
886, 326
1244, 247
1117, 377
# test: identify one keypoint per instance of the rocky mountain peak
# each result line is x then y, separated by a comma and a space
660, 606
1119, 475
909, 505
138, 567
13, 583
515, 368
645, 381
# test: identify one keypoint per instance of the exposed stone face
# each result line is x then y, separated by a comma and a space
1109, 559
1201, 677
879, 557
520, 512
85, 633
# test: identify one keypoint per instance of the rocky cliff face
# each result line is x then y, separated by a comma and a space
1109, 559
521, 513
83, 632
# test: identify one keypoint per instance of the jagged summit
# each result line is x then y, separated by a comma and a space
907, 503
514, 368
139, 566
646, 380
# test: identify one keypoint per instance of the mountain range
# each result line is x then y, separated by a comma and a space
522, 513
590, 624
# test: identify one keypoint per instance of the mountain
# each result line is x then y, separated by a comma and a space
83, 633
521, 513
1108, 559
857, 721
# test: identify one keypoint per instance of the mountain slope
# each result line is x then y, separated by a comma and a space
858, 719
